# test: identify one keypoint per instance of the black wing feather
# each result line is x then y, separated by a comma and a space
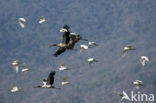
60, 51
50, 79
65, 37
73, 40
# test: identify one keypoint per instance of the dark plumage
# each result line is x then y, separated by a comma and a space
48, 83
50, 79
74, 38
65, 40
59, 51
65, 36
68, 40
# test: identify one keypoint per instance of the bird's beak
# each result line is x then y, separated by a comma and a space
50, 45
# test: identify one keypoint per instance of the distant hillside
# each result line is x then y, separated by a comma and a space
113, 24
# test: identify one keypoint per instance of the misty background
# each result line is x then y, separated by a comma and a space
112, 24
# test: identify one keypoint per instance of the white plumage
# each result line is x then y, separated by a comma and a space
63, 30
42, 20
83, 47
21, 22
24, 68
126, 49
64, 82
91, 43
143, 59
15, 88
91, 60
15, 64
137, 83
63, 67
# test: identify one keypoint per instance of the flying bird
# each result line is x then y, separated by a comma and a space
122, 94
91, 60
48, 83
16, 65
15, 88
143, 60
24, 68
92, 44
65, 81
137, 83
65, 40
42, 20
21, 22
82, 47
126, 49
63, 67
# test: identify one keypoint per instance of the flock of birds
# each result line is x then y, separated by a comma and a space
68, 43
136, 83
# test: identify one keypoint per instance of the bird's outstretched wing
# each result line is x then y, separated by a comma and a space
63, 65
73, 40
41, 17
124, 52
129, 46
60, 51
16, 68
50, 79
65, 37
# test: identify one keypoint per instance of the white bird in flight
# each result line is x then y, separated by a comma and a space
126, 49
21, 22
91, 60
15, 64
65, 81
42, 20
137, 83
83, 47
24, 68
92, 44
122, 94
15, 88
143, 60
63, 67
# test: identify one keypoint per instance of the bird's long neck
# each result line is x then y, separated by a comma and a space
53, 45
38, 86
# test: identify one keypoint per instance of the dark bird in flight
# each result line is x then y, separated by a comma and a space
68, 40
48, 83
65, 40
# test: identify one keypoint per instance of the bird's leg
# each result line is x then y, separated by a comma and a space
55, 87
